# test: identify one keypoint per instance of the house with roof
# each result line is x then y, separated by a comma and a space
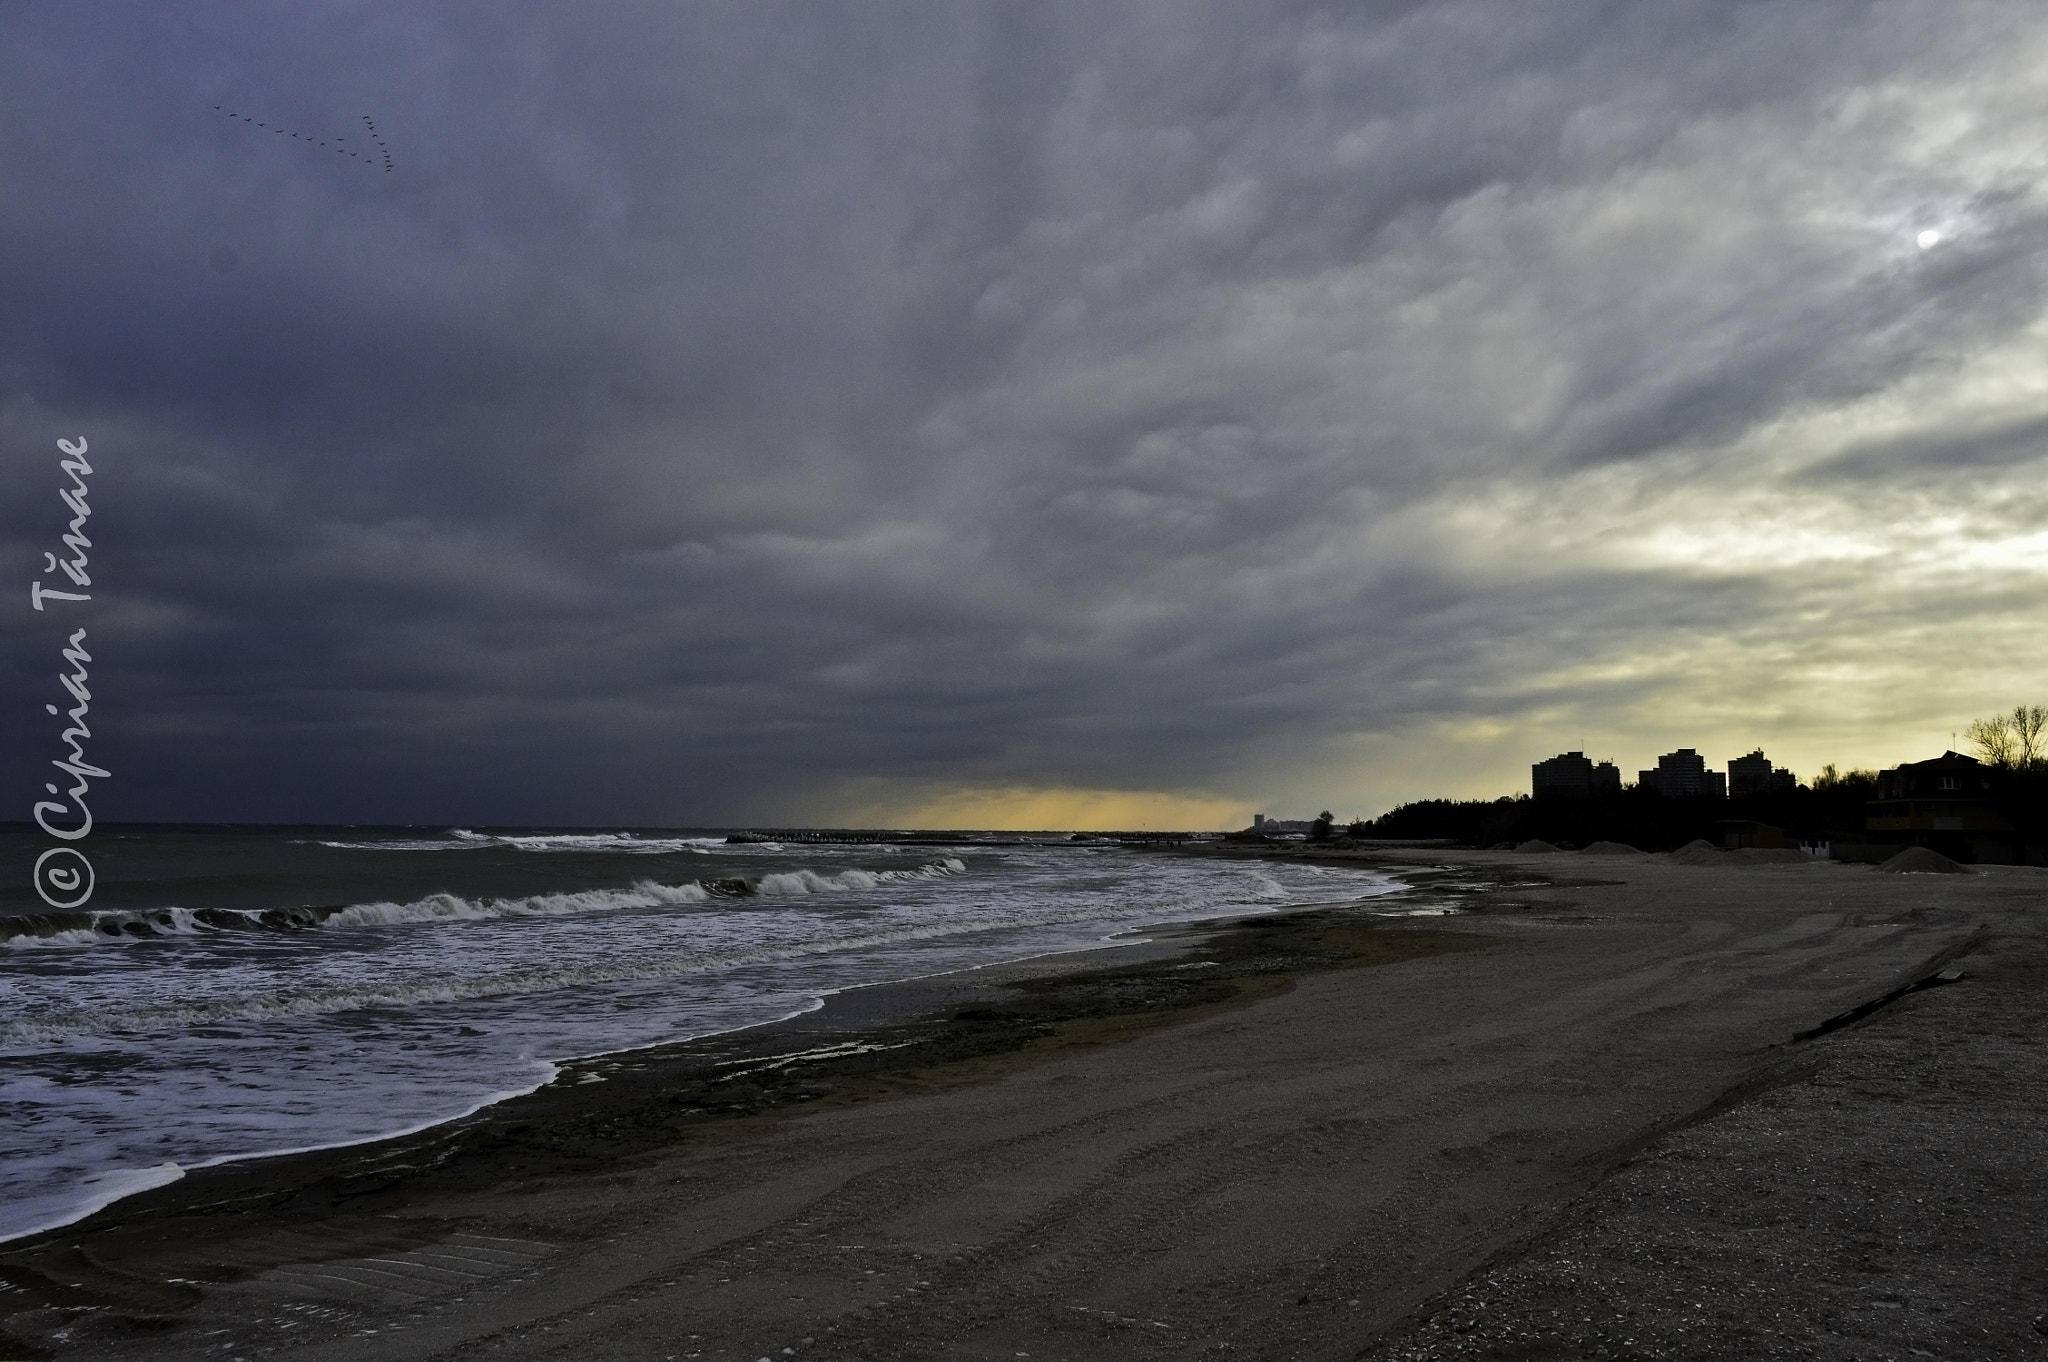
1950, 803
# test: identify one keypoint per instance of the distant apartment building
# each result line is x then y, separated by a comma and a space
1684, 775
1573, 775
1754, 774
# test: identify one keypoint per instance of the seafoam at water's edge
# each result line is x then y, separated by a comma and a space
161, 1039
113, 925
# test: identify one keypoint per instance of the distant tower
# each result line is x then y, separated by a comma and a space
1684, 775
1754, 774
1749, 775
1569, 775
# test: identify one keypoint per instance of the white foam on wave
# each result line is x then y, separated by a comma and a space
413, 990
51, 1197
74, 936
54, 1208
100, 925
611, 968
502, 968
787, 883
1267, 887
600, 841
462, 839
329, 1001
454, 908
114, 926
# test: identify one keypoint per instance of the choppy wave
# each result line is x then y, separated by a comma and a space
523, 982
454, 908
114, 924
462, 839
413, 991
228, 1034
102, 926
791, 882
588, 841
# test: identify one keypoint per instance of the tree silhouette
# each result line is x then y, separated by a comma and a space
2011, 742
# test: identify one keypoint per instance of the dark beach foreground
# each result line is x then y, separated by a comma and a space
1598, 1112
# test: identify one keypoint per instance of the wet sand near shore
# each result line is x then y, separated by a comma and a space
1298, 1137
138, 1266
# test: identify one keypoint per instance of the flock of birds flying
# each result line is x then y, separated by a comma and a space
335, 146
380, 144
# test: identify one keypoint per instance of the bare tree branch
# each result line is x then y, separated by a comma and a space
1994, 740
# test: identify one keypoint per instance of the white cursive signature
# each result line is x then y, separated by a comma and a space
74, 497
54, 870
76, 766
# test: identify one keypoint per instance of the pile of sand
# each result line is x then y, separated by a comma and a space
1534, 845
1610, 849
1921, 861
1699, 851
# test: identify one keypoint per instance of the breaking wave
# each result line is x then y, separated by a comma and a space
791, 882
114, 925
611, 968
462, 839
118, 924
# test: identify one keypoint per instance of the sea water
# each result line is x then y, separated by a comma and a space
239, 992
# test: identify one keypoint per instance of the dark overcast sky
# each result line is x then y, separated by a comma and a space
1061, 414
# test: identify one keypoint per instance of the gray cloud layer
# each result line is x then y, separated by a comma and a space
750, 411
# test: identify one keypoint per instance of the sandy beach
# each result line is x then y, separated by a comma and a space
1597, 1111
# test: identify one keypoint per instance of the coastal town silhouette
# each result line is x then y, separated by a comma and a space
1990, 808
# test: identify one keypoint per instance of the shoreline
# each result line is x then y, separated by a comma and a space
887, 1009
1284, 1134
150, 1179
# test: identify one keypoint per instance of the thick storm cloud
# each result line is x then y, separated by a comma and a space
1019, 412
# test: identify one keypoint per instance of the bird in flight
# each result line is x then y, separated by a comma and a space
336, 147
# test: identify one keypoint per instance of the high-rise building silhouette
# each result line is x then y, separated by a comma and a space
1684, 775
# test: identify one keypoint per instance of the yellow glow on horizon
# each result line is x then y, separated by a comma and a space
1020, 808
